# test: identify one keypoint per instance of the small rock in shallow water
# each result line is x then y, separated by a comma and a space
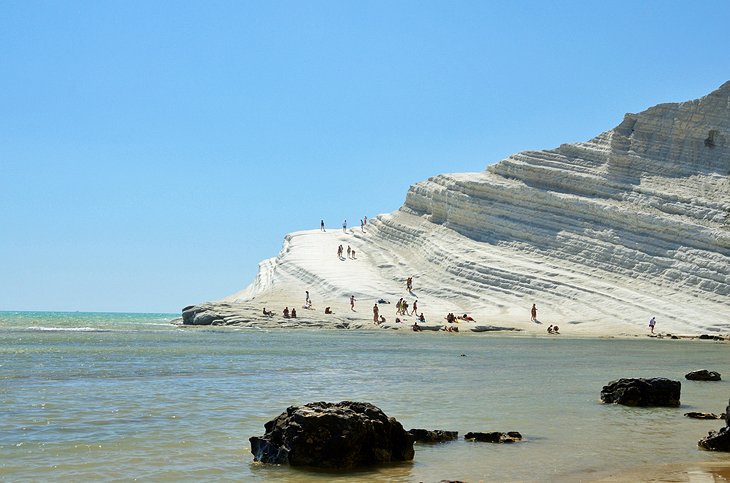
433, 436
703, 375
494, 437
697, 415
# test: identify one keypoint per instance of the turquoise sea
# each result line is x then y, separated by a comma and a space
105, 397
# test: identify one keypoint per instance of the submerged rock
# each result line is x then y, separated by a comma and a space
697, 415
494, 437
343, 435
433, 436
657, 391
703, 375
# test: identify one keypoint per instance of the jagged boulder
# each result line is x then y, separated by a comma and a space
494, 437
657, 391
342, 435
703, 375
433, 436
716, 440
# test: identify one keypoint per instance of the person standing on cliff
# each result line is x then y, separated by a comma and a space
306, 299
321, 225
652, 323
352, 303
344, 226
533, 313
376, 319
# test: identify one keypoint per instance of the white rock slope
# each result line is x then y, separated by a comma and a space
601, 235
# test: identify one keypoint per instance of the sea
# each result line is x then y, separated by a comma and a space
124, 397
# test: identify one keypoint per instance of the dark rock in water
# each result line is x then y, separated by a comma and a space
495, 437
696, 415
343, 435
657, 391
710, 337
718, 440
435, 436
194, 315
703, 375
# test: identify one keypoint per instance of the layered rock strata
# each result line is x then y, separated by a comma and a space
605, 234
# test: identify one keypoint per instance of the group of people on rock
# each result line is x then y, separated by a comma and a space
290, 314
401, 307
350, 252
363, 222
450, 317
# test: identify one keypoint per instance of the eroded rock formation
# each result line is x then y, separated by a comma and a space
631, 224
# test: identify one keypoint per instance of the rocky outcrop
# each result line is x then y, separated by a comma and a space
718, 440
433, 436
494, 437
703, 375
201, 315
631, 224
343, 435
657, 391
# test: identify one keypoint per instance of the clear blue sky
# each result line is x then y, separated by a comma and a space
152, 152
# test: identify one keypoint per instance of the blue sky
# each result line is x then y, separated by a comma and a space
152, 153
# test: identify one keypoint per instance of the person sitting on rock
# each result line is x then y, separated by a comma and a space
286, 312
555, 329
328, 310
416, 327
382, 319
550, 329
421, 318
293, 313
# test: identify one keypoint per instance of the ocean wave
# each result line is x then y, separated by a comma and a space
67, 329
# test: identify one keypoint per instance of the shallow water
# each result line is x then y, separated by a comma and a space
124, 396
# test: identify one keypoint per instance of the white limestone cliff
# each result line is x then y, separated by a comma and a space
601, 235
